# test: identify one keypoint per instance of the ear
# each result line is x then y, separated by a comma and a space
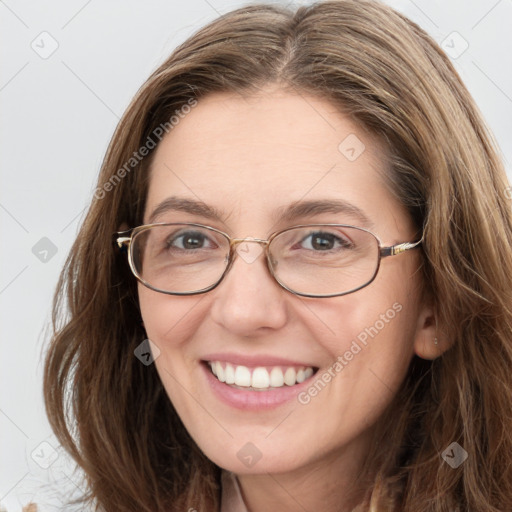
123, 227
429, 340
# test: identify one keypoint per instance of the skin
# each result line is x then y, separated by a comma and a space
247, 157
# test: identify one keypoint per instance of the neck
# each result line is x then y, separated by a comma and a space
332, 483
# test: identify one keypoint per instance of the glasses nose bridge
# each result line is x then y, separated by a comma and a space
233, 242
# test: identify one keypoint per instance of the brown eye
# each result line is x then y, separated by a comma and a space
324, 241
189, 240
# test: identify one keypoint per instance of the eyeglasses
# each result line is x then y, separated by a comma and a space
314, 260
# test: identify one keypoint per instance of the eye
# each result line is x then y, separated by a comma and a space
325, 241
189, 240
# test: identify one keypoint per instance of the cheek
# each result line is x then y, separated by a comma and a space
169, 322
360, 320
370, 349
374, 327
167, 318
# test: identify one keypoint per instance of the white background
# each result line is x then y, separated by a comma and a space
58, 114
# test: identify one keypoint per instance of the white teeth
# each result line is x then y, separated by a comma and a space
219, 371
242, 376
229, 372
259, 378
276, 377
290, 377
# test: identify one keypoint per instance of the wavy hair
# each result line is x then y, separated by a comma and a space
112, 414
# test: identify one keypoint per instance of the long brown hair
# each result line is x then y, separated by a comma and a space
112, 413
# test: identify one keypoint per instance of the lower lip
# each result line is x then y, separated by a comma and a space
253, 400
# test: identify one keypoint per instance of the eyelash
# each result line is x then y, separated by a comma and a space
344, 243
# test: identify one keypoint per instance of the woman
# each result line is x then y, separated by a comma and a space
292, 287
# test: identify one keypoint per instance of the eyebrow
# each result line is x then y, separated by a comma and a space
287, 213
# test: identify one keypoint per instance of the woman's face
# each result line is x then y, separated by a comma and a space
249, 158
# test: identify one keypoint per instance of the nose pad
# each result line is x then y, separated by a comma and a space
249, 252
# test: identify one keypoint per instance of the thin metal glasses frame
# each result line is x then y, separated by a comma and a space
124, 240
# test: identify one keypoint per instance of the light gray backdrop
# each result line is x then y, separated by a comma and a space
69, 69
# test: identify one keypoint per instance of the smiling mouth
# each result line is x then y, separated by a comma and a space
260, 378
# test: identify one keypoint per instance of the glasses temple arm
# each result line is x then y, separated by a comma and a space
399, 248
122, 239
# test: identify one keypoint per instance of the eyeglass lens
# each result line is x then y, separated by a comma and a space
314, 260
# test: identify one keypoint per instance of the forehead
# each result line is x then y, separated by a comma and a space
249, 157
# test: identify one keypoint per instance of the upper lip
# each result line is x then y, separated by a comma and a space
255, 360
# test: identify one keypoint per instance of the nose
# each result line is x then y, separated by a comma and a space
248, 299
